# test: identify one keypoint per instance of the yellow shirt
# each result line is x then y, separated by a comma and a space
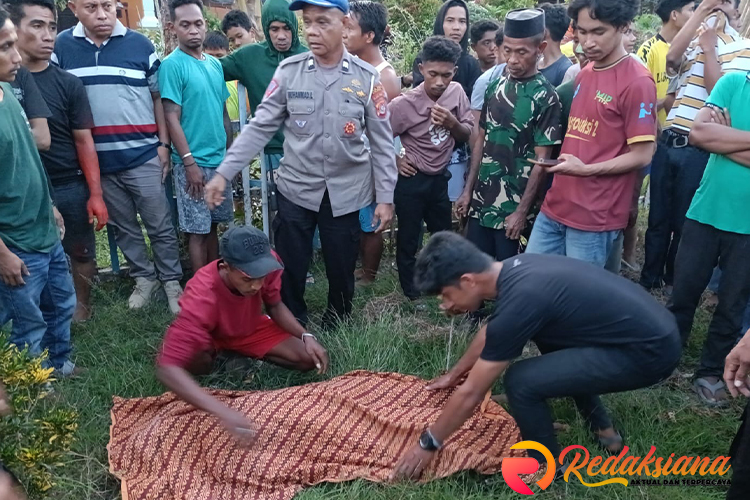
653, 53
567, 50
233, 103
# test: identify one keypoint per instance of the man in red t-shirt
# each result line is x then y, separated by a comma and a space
221, 309
611, 135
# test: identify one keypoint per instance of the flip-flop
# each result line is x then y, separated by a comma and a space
606, 442
702, 383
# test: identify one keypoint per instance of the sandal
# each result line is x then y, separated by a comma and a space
702, 383
606, 442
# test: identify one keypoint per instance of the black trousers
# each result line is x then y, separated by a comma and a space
493, 242
582, 373
701, 247
740, 453
294, 228
419, 198
676, 173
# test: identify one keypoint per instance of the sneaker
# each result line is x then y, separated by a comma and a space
144, 289
68, 370
174, 292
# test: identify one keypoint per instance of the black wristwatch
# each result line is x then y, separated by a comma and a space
162, 145
428, 442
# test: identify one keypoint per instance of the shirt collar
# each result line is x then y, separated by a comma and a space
80, 32
345, 65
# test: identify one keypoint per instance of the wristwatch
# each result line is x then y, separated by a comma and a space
428, 442
162, 145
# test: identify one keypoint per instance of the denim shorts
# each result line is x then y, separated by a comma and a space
365, 218
71, 199
195, 217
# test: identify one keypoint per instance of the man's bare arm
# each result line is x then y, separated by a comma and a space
477, 151
40, 131
173, 115
391, 83
228, 127
161, 122
283, 317
467, 397
459, 408
462, 367
715, 137
536, 181
682, 40
179, 381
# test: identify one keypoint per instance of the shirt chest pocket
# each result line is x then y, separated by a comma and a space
301, 114
350, 120
128, 92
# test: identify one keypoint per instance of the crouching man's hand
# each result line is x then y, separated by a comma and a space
317, 352
244, 430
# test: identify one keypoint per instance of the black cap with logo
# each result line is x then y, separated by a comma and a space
248, 249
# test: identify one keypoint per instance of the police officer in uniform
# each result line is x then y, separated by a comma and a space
325, 99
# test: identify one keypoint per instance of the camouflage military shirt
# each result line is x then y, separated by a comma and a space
518, 115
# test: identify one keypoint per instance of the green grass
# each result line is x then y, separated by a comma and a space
118, 348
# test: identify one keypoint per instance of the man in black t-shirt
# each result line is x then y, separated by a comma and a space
71, 161
26, 91
598, 333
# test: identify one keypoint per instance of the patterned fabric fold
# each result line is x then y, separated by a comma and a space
353, 426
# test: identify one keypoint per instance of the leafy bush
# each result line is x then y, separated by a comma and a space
499, 8
213, 23
646, 26
411, 22
478, 12
36, 437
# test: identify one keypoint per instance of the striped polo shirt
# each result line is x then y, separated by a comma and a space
734, 55
119, 77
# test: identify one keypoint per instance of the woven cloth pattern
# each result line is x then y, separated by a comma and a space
353, 426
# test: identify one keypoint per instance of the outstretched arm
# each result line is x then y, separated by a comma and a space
462, 367
179, 381
459, 408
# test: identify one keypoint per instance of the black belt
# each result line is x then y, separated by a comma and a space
675, 139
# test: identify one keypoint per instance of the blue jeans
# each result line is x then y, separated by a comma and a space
42, 309
554, 238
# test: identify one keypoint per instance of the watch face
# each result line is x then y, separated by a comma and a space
426, 443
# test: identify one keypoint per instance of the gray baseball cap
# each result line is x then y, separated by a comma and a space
248, 249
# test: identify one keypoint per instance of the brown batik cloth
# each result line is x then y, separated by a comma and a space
353, 426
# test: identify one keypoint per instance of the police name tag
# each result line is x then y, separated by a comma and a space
299, 94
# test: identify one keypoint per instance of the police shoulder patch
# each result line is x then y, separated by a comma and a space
272, 87
380, 100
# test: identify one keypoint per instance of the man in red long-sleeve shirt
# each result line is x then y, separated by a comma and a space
221, 309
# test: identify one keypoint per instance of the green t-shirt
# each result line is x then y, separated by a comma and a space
26, 219
199, 88
518, 116
723, 198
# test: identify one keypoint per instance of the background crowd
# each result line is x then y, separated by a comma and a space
485, 136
